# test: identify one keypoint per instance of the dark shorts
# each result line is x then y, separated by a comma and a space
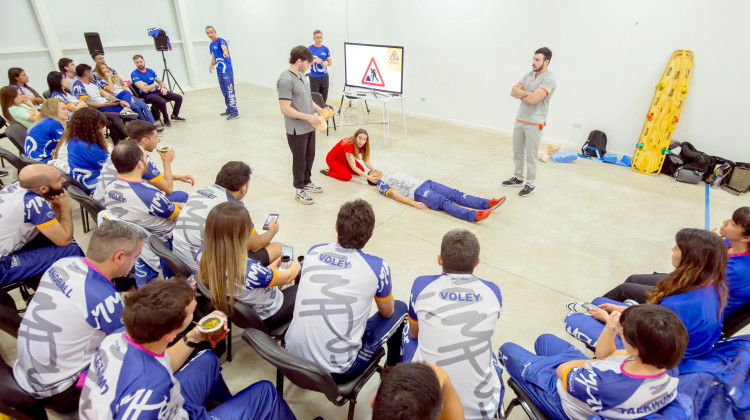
260, 256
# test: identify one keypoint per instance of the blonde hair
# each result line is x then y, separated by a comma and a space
50, 110
100, 73
365, 151
223, 264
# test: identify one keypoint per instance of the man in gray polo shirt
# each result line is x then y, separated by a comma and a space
299, 112
534, 91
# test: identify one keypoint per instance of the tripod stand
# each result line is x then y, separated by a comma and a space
167, 75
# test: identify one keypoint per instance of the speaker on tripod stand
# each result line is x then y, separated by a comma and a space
160, 42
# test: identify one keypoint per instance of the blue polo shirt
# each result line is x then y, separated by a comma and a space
147, 76
322, 52
223, 65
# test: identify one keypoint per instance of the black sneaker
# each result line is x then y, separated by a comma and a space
527, 191
224, 114
513, 182
159, 129
167, 123
176, 118
324, 172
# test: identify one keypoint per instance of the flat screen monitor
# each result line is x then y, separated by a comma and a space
376, 67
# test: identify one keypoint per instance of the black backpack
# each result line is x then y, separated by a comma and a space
696, 160
597, 140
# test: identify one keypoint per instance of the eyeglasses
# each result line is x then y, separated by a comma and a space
618, 329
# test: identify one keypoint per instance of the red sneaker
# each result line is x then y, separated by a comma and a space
483, 214
496, 202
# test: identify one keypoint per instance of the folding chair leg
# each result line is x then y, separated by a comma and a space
280, 383
352, 403
514, 402
83, 220
229, 343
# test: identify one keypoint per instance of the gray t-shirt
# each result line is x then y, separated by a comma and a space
297, 90
537, 113
401, 183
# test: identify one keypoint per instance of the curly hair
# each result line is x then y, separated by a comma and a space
703, 263
86, 125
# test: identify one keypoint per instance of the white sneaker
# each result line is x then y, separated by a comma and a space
312, 188
303, 198
576, 308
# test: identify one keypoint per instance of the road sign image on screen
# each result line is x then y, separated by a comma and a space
377, 67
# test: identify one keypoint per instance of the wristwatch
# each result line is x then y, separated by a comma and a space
191, 344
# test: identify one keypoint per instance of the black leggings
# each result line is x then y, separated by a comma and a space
116, 127
636, 287
285, 313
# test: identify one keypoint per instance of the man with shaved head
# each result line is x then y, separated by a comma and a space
75, 307
35, 203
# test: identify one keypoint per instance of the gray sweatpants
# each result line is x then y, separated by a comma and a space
526, 141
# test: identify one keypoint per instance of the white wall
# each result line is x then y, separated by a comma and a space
463, 58
123, 31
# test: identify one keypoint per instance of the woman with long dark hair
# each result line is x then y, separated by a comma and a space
224, 267
17, 109
696, 291
17, 77
86, 148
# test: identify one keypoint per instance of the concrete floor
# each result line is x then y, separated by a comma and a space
587, 228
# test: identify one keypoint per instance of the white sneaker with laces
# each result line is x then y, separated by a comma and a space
312, 188
303, 198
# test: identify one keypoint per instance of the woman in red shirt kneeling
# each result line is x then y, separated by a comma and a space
342, 159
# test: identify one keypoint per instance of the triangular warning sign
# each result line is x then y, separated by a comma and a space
372, 75
394, 56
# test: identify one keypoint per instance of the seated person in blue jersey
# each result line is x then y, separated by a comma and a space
42, 137
232, 184
696, 291
416, 391
114, 85
74, 308
87, 90
136, 374
230, 275
422, 194
736, 234
452, 319
67, 68
619, 384
145, 134
86, 147
130, 199
59, 87
334, 298
154, 90
36, 204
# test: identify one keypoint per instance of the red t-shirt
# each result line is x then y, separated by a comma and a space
340, 150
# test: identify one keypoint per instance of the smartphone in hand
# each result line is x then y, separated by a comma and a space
272, 218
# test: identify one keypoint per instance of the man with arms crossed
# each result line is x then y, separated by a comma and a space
221, 60
534, 91
154, 90
321, 62
299, 112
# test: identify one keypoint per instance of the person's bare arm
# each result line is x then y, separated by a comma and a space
452, 407
166, 182
605, 346
61, 233
413, 329
75, 107
37, 99
179, 351
258, 241
328, 62
211, 64
110, 85
518, 92
401, 199
286, 276
144, 87
385, 307
353, 164
535, 97
225, 50
286, 108
562, 370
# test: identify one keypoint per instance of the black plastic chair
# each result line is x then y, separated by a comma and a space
89, 206
17, 135
736, 321
310, 375
17, 161
14, 401
10, 321
154, 109
46, 94
318, 99
174, 262
524, 400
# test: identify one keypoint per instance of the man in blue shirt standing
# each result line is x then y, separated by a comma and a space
319, 69
221, 60
154, 90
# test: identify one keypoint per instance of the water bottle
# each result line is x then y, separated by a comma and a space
286, 262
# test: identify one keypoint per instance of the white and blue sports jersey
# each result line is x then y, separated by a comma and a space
85, 161
102, 83
603, 388
258, 290
71, 80
322, 52
22, 214
42, 138
187, 237
456, 315
25, 91
92, 91
67, 98
72, 311
334, 299
223, 65
126, 381
141, 204
147, 76
109, 174
400, 183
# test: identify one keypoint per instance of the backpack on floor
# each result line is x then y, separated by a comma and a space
672, 161
597, 140
687, 175
721, 173
697, 160
739, 180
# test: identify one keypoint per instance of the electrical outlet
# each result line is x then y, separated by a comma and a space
577, 124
